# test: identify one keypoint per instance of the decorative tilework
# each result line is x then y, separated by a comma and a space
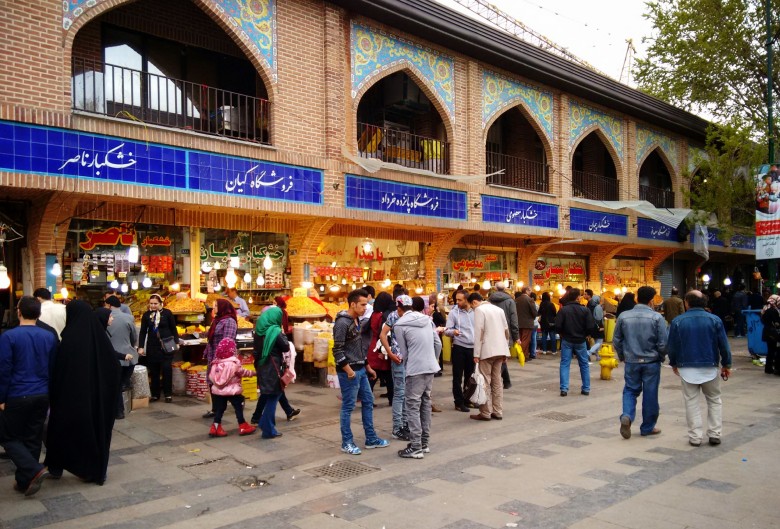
59, 152
72, 9
597, 222
374, 51
582, 118
647, 139
695, 156
499, 92
652, 229
382, 195
521, 212
256, 21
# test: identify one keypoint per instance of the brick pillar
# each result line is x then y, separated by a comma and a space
304, 240
659, 256
44, 236
526, 258
438, 252
599, 259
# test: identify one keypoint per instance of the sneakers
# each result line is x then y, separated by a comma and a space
425, 448
714, 441
377, 443
625, 427
351, 449
655, 431
564, 393
246, 429
402, 434
694, 442
217, 431
169, 399
435, 408
294, 414
208, 415
411, 453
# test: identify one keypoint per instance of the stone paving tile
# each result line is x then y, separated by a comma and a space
718, 486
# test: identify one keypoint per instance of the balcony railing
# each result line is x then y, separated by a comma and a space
121, 92
658, 197
593, 186
403, 148
518, 172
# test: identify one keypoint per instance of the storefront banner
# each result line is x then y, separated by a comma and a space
405, 199
351, 250
743, 242
712, 237
652, 229
510, 211
767, 212
463, 260
596, 222
59, 152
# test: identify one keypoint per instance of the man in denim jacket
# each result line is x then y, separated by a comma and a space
640, 342
698, 349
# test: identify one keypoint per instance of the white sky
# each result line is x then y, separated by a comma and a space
594, 30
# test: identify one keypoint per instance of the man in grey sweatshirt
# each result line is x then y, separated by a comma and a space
420, 344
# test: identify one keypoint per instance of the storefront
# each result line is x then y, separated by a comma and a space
554, 272
469, 267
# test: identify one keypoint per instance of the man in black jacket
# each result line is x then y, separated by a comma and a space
504, 301
574, 322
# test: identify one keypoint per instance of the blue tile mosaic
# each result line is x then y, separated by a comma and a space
405, 199
652, 229
520, 212
58, 152
598, 222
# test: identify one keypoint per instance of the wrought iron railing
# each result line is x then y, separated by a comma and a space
658, 197
121, 92
403, 148
518, 172
593, 186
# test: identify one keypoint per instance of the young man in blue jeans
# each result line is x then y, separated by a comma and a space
353, 371
574, 322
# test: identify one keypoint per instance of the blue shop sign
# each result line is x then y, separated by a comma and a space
59, 152
740, 242
405, 199
521, 212
712, 235
597, 222
652, 229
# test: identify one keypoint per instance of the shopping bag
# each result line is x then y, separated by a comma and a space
479, 392
519, 352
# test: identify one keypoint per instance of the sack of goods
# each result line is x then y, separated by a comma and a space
476, 391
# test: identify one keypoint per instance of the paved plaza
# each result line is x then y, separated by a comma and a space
551, 463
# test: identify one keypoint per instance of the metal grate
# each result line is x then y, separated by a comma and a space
341, 471
560, 416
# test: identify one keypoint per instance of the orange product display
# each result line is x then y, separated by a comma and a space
157, 263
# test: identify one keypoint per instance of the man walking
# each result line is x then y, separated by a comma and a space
595, 308
698, 349
124, 338
52, 314
491, 333
672, 306
640, 342
350, 352
526, 317
420, 345
460, 326
504, 301
26, 355
739, 302
574, 323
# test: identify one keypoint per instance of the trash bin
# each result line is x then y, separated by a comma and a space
756, 346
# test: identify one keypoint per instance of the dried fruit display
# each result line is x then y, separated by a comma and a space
243, 323
186, 306
304, 307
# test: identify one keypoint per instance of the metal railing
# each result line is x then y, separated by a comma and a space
116, 91
518, 172
658, 197
593, 186
403, 148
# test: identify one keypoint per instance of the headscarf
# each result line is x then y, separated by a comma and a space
282, 304
772, 302
155, 314
103, 315
226, 349
225, 310
269, 325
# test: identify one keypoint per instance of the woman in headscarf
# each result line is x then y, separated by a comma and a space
158, 323
627, 303
83, 391
770, 317
270, 344
282, 304
106, 318
378, 361
224, 325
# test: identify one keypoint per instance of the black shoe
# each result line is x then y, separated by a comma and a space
253, 421
36, 482
383, 396
120, 416
438, 374
507, 385
462, 408
209, 414
564, 393
714, 441
293, 414
168, 399
586, 393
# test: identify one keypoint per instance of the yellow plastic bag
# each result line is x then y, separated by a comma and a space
518, 350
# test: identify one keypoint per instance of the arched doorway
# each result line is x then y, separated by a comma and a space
594, 175
127, 64
514, 146
655, 182
398, 123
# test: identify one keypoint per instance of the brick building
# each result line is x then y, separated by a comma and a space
349, 140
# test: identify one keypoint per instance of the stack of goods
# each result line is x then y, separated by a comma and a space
244, 323
254, 309
306, 335
304, 308
197, 383
334, 308
186, 306
248, 384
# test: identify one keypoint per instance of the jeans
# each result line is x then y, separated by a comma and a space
283, 402
462, 368
711, 392
569, 349
267, 421
644, 379
155, 369
399, 395
549, 341
740, 324
596, 347
533, 343
418, 404
352, 390
220, 402
21, 429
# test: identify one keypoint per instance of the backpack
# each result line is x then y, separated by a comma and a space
222, 373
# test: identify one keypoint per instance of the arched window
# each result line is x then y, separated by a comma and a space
514, 147
594, 175
655, 182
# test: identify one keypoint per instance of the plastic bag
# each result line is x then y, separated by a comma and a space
476, 391
519, 352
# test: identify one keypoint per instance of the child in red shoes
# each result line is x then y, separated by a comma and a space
225, 375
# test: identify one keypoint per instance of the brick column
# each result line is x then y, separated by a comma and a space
599, 259
44, 236
659, 256
304, 240
438, 252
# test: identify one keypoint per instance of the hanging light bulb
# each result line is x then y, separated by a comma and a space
132, 253
368, 245
705, 278
486, 284
56, 269
230, 277
267, 263
247, 278
64, 293
537, 288
520, 284
175, 287
114, 284
335, 288
322, 288
559, 286
343, 280
123, 288
217, 287
260, 280
561, 292
354, 286
250, 300
616, 291
206, 267
134, 285
147, 282
386, 283
623, 290
727, 281
418, 290
5, 281
235, 262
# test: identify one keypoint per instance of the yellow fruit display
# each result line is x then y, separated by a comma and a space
299, 307
243, 323
186, 306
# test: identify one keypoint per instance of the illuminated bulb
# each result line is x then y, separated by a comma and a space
440, 296
559, 286
64, 293
231, 278
307, 284
260, 280
343, 280
418, 290
175, 287
206, 267
147, 282
333, 264
354, 286
778, 284
335, 288
132, 253
5, 281
537, 288
623, 290
562, 292
727, 281
247, 278
250, 300
486, 284
234, 262
56, 269
616, 291
216, 265
114, 284
267, 263
217, 287
367, 246
322, 288
705, 278
123, 288
520, 284
386, 283
134, 285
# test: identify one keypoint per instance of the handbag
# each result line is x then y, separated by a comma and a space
286, 378
169, 344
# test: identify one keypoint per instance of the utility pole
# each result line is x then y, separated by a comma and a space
769, 84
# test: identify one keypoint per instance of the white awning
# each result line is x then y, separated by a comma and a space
372, 165
672, 217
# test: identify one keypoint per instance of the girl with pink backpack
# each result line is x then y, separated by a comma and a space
225, 374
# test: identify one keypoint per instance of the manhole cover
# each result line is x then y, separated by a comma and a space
560, 417
341, 471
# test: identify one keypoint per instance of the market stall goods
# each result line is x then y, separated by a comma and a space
333, 308
304, 307
187, 306
243, 323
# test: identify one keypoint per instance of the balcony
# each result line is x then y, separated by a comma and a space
660, 198
519, 173
593, 186
119, 92
403, 148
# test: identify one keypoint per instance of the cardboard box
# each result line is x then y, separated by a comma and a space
140, 403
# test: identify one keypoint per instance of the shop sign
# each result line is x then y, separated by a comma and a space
712, 237
652, 229
466, 265
123, 235
58, 152
565, 270
596, 222
156, 241
405, 199
740, 242
521, 212
257, 252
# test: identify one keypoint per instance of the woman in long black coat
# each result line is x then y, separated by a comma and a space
158, 323
270, 344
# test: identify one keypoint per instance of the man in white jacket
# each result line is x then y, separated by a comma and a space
491, 333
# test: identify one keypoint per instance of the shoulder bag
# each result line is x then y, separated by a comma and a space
286, 377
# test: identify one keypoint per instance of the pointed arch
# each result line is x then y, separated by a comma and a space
658, 148
529, 116
604, 138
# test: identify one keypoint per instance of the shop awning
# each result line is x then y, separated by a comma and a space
672, 217
372, 165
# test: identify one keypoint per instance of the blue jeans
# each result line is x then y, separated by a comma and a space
596, 347
399, 395
353, 390
267, 421
549, 341
533, 344
569, 349
644, 379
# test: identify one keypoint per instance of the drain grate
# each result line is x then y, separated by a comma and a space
341, 471
560, 417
